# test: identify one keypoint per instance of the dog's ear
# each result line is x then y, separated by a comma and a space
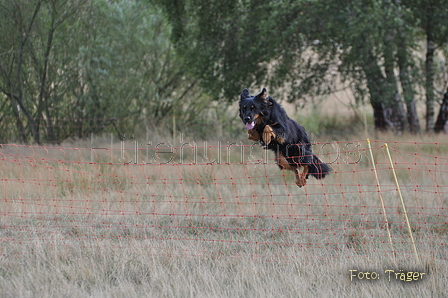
244, 94
263, 95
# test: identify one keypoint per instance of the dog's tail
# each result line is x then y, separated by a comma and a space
318, 169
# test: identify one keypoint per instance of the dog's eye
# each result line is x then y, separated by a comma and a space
252, 107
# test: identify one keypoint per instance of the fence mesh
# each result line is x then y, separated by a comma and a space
225, 200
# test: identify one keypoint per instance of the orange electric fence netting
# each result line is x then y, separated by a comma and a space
227, 200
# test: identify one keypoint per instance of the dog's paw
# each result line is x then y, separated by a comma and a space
300, 180
253, 135
268, 134
301, 177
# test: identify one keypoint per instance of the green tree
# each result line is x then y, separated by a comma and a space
431, 17
71, 68
299, 45
221, 41
27, 68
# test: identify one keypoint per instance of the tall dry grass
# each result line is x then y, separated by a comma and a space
73, 227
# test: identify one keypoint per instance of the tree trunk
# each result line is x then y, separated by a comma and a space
408, 93
43, 101
379, 115
429, 66
442, 118
49, 124
19, 123
19, 99
393, 98
376, 83
412, 116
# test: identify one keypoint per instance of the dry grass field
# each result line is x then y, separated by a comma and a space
76, 222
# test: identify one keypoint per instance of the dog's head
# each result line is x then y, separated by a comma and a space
253, 109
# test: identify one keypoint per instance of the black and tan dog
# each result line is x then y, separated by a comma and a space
266, 121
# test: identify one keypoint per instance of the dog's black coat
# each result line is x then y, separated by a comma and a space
291, 140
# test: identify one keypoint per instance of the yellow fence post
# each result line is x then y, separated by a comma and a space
382, 201
402, 202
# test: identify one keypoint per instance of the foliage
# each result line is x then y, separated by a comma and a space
304, 45
72, 68
430, 16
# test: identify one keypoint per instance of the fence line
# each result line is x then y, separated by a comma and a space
227, 200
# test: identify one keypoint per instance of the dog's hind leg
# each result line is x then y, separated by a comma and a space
304, 174
301, 177
281, 161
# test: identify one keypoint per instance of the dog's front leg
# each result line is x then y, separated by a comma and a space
253, 135
268, 134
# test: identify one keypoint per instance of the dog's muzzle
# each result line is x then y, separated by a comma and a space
249, 124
